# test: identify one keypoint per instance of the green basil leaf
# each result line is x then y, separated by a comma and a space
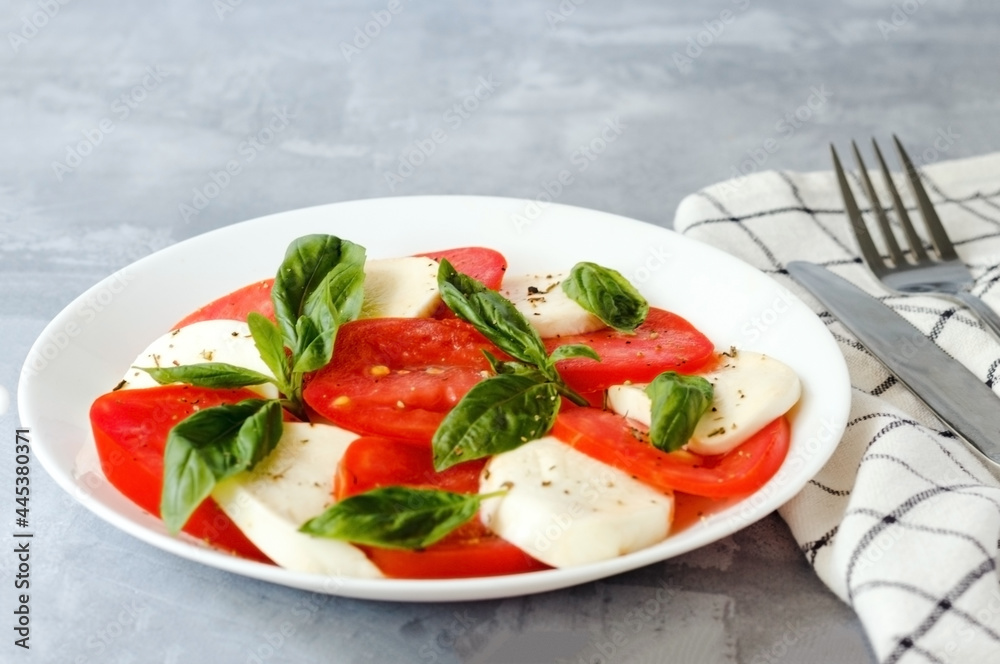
341, 293
395, 517
207, 374
492, 314
496, 415
337, 300
678, 402
211, 445
267, 337
573, 350
606, 294
313, 346
308, 261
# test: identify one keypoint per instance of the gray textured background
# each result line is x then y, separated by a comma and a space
561, 72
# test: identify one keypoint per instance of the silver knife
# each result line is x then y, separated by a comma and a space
966, 405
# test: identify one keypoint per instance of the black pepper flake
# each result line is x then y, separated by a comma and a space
718, 431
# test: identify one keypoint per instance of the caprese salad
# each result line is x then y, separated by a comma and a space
433, 416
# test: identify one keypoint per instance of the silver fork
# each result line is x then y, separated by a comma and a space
943, 274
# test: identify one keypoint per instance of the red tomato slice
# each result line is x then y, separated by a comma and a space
372, 462
398, 377
236, 305
471, 550
480, 263
484, 265
489, 556
130, 429
610, 438
664, 342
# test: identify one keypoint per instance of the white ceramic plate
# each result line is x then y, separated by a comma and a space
84, 351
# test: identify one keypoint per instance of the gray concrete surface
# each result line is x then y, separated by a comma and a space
116, 116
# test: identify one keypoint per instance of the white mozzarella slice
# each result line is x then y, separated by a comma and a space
543, 302
291, 485
751, 390
227, 341
400, 288
631, 401
565, 508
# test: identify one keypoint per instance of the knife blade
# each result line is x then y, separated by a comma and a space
960, 400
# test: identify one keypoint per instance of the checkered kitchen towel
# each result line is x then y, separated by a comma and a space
903, 522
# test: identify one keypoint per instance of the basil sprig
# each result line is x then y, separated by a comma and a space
678, 402
521, 401
319, 286
211, 445
606, 294
396, 517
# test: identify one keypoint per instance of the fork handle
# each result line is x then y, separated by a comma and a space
983, 310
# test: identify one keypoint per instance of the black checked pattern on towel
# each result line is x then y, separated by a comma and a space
846, 522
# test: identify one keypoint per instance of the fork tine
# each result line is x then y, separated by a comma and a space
939, 238
916, 244
858, 227
883, 222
